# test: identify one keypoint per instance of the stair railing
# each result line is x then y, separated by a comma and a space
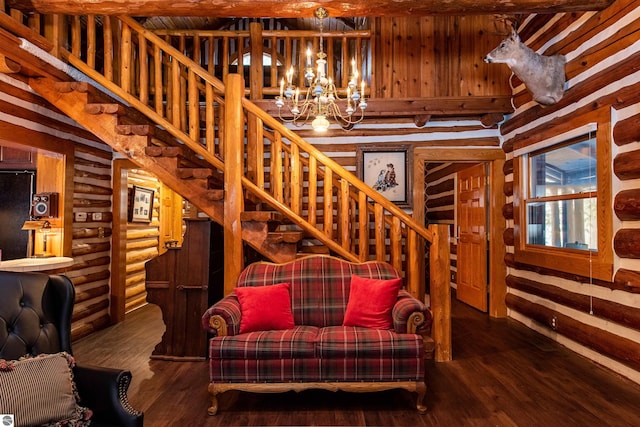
272, 52
282, 169
325, 200
147, 64
153, 77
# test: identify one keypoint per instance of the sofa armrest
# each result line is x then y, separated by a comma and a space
104, 391
223, 317
410, 315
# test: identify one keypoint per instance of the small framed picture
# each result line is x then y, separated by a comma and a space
141, 204
388, 171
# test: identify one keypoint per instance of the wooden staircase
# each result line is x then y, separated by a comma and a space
142, 141
267, 187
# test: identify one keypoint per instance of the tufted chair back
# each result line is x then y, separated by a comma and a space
35, 314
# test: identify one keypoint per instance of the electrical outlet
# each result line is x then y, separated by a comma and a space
97, 216
554, 323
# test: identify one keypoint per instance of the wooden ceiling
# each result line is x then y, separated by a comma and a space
304, 9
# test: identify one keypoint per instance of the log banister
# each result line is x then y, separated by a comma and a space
259, 85
323, 159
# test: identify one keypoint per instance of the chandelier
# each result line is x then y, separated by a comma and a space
319, 101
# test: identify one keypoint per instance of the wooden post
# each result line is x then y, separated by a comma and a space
233, 195
91, 41
498, 269
257, 68
126, 57
414, 275
440, 291
108, 47
255, 145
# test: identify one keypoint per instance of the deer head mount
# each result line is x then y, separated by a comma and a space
542, 75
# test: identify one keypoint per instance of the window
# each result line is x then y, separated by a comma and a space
562, 198
266, 60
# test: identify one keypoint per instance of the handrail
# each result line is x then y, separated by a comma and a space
334, 166
285, 48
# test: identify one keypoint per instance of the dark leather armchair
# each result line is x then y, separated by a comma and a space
35, 318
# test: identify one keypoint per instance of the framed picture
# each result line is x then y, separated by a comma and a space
140, 204
387, 170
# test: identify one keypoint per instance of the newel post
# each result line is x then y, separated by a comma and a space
440, 291
233, 170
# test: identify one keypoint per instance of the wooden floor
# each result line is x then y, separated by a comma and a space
503, 374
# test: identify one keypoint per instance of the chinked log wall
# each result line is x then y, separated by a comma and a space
27, 119
142, 242
440, 189
600, 319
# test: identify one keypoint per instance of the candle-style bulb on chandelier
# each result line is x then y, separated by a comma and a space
319, 101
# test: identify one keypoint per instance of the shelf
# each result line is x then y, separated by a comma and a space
36, 264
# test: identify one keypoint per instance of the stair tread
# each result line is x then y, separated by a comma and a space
284, 236
315, 249
160, 151
262, 216
104, 108
133, 129
215, 194
66, 87
198, 173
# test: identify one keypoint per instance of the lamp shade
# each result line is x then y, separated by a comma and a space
320, 124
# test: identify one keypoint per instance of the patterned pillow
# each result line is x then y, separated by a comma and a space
40, 391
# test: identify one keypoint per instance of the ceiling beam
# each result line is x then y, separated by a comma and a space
293, 9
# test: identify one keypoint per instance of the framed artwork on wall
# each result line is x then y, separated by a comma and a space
141, 204
387, 170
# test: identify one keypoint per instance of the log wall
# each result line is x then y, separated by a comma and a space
435, 135
440, 202
597, 318
27, 119
142, 242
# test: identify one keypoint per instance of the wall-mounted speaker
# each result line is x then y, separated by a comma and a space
44, 205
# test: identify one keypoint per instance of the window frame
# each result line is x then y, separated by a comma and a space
599, 263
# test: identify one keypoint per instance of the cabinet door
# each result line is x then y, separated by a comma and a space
192, 287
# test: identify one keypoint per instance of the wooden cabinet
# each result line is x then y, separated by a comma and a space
183, 282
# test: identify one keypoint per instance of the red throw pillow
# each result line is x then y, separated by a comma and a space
265, 307
371, 301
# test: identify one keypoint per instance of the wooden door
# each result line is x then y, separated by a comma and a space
472, 237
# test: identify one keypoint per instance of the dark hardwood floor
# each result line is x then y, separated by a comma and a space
503, 374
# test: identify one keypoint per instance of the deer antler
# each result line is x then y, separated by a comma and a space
510, 23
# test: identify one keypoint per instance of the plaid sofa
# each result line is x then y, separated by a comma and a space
318, 352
